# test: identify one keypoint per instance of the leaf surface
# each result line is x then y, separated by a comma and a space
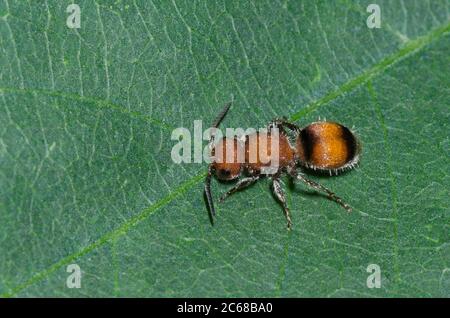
85, 147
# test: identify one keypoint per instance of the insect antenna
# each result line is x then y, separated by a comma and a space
219, 118
208, 192
216, 124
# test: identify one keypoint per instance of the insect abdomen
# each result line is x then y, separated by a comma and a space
327, 145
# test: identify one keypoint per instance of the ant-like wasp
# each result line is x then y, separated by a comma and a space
324, 146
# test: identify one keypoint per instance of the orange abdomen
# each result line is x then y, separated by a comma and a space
327, 145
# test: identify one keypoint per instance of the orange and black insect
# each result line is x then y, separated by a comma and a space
325, 146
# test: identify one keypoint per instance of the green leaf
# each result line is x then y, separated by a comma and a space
85, 140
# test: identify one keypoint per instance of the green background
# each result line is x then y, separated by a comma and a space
86, 175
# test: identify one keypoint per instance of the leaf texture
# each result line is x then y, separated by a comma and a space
86, 175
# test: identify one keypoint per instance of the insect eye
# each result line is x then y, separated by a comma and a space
224, 172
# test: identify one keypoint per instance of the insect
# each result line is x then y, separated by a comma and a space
323, 146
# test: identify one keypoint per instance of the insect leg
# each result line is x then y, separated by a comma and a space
279, 193
243, 183
283, 123
320, 187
